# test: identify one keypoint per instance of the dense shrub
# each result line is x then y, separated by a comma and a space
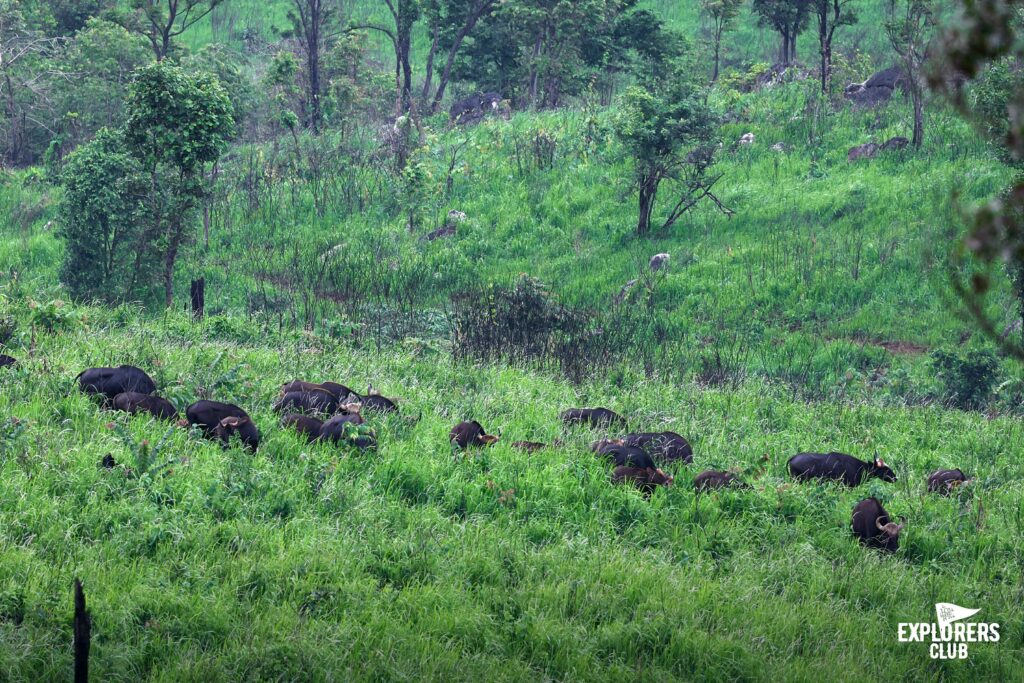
967, 377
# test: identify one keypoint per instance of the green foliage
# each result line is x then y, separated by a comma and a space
967, 377
176, 117
99, 215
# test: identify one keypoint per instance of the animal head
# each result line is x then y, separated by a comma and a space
233, 422
882, 471
891, 531
488, 439
657, 476
351, 408
596, 446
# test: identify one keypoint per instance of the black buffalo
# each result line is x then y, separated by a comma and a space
109, 382
624, 456
377, 403
342, 429
837, 467
319, 401
6, 361
945, 481
471, 433
240, 427
133, 402
871, 524
340, 391
594, 417
714, 479
663, 446
306, 426
645, 479
208, 414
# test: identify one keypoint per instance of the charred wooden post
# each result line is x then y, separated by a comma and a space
198, 298
82, 625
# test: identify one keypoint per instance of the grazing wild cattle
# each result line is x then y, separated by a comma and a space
374, 401
242, 427
472, 433
872, 526
133, 402
944, 482
6, 360
109, 382
713, 479
208, 414
340, 391
838, 467
318, 401
594, 417
305, 425
625, 456
663, 446
342, 429
645, 479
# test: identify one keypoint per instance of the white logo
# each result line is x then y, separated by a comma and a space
950, 636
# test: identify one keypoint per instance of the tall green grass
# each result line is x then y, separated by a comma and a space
304, 562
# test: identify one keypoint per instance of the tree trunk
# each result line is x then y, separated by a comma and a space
429, 75
916, 95
648, 190
81, 628
474, 16
718, 46
198, 297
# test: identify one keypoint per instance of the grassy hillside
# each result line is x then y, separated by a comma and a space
316, 564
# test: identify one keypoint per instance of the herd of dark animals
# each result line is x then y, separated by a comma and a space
636, 456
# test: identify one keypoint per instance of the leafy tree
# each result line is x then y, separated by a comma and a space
25, 81
404, 15
789, 18
830, 15
667, 129
310, 21
910, 27
99, 216
537, 52
176, 123
99, 60
723, 15
160, 21
995, 238
455, 19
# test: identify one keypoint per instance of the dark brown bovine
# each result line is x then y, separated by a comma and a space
624, 456
944, 482
645, 479
713, 479
377, 403
208, 414
340, 429
664, 447
316, 401
6, 361
340, 391
472, 433
594, 417
133, 402
529, 446
837, 467
872, 526
306, 426
109, 382
240, 427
